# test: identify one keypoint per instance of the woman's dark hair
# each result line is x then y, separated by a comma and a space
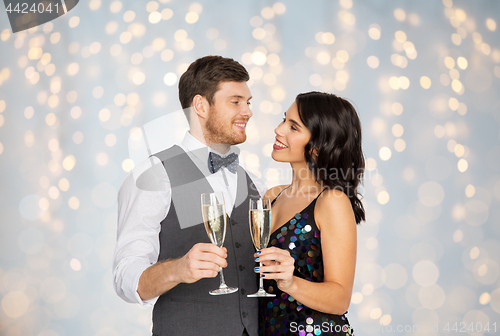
204, 76
334, 152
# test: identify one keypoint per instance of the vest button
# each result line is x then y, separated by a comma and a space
233, 222
241, 267
244, 314
238, 245
243, 291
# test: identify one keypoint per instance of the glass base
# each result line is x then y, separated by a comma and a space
223, 290
261, 293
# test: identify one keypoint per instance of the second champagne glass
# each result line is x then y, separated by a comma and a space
214, 216
260, 230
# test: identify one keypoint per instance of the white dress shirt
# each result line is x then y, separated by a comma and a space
140, 213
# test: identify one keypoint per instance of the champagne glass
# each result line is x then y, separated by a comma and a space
260, 230
214, 216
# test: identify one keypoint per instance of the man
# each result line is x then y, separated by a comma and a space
163, 255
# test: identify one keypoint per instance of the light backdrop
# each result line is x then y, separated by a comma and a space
423, 75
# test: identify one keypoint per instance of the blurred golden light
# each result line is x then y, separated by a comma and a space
50, 119
279, 8
191, 17
74, 21
53, 192
167, 55
152, 6
357, 298
104, 114
485, 48
450, 130
374, 31
462, 109
397, 130
462, 165
53, 145
77, 137
397, 108
385, 153
75, 264
267, 13
453, 103
347, 17
127, 165
102, 159
342, 56
370, 164
375, 313
456, 39
28, 112
115, 6
346, 4
278, 94
399, 145
129, 16
399, 14
75, 112
155, 17
63, 184
323, 57
74, 203
73, 69
456, 85
170, 79
373, 62
15, 304
327, 38
385, 320
454, 74
29, 138
485, 298
69, 162
425, 82
95, 4
167, 14
449, 62
5, 34
459, 150
458, 236
462, 63
400, 36
491, 24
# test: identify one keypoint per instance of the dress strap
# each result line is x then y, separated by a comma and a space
274, 200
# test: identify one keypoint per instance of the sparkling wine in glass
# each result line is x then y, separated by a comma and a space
214, 217
260, 230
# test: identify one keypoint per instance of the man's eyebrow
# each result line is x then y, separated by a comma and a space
240, 97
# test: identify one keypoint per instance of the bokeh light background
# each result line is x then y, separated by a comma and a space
423, 75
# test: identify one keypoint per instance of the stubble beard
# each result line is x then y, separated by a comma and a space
218, 132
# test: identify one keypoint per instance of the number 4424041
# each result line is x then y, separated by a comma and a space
24, 8
472, 327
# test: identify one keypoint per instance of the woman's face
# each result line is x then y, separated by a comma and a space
291, 138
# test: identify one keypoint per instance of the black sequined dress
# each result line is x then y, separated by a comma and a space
283, 315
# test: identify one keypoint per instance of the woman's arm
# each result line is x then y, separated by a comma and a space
335, 218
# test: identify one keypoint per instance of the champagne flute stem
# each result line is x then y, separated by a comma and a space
261, 280
222, 282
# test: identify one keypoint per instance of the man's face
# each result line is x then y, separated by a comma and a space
228, 115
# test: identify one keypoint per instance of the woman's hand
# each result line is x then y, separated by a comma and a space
278, 265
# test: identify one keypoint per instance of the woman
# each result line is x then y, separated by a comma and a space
312, 253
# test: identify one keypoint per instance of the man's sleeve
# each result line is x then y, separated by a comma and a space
143, 202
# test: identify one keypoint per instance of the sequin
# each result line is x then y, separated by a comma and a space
297, 215
309, 320
305, 216
293, 221
293, 239
291, 246
297, 231
307, 228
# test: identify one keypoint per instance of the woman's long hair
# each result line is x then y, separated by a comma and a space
334, 153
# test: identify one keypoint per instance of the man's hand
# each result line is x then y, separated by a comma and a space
202, 261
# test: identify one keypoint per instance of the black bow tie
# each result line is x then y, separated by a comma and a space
215, 162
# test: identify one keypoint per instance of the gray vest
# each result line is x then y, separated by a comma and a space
188, 309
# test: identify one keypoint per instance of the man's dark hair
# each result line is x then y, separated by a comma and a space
204, 76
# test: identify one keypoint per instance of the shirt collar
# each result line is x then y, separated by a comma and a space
200, 150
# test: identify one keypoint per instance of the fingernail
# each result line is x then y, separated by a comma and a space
258, 252
256, 269
257, 259
262, 275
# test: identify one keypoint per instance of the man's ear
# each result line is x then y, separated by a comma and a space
200, 106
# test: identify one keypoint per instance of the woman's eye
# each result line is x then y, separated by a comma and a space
293, 128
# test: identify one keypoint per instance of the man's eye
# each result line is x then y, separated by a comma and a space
236, 102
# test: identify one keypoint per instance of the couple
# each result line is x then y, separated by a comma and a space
163, 257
